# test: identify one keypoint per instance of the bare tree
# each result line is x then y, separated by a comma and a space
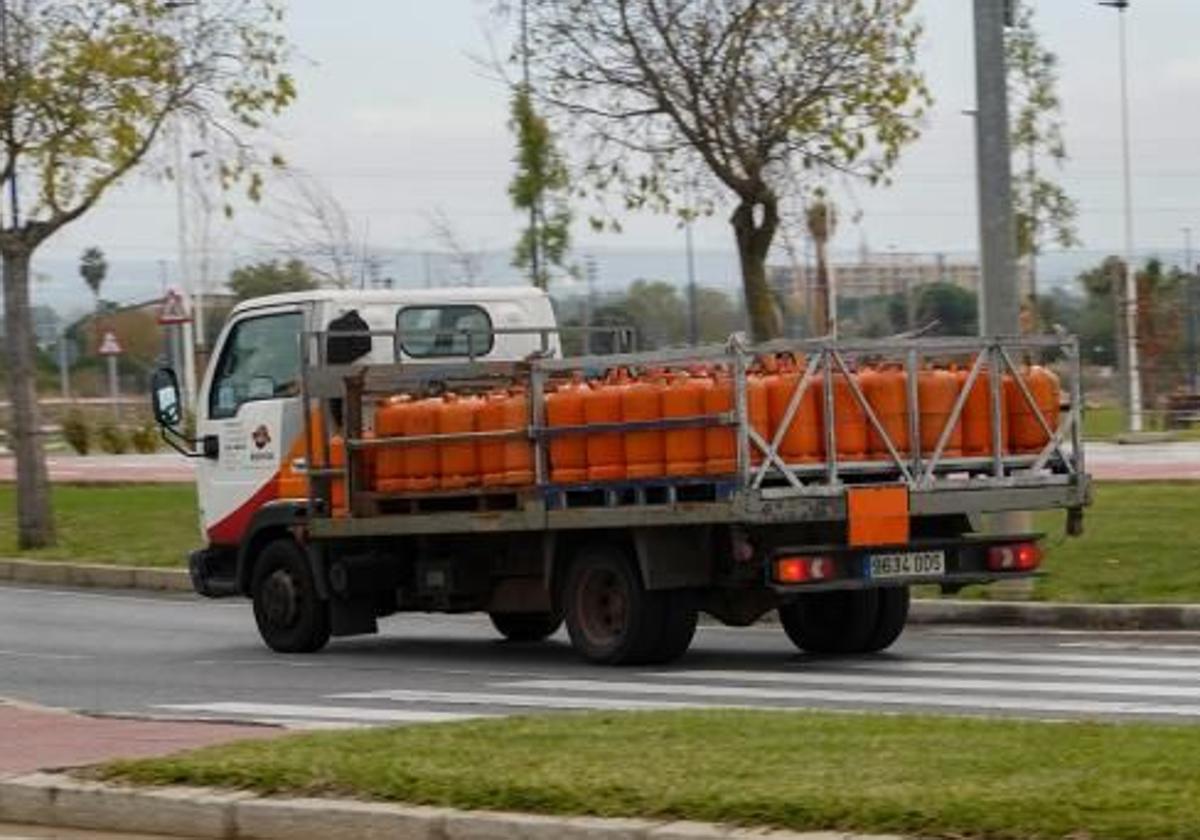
87, 90
467, 262
760, 94
312, 225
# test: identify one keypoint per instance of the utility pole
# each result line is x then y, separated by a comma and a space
998, 238
1133, 374
693, 314
1189, 290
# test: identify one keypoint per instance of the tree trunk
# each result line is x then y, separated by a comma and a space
35, 519
821, 324
754, 239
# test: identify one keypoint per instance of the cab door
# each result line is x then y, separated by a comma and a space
251, 405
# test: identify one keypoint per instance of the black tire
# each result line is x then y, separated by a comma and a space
291, 617
832, 622
893, 615
526, 627
613, 620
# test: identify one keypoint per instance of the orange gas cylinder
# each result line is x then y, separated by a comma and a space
886, 389
802, 441
389, 422
720, 442
491, 418
458, 463
684, 448
568, 454
977, 416
937, 391
421, 463
850, 419
1025, 432
758, 407
642, 401
605, 452
518, 452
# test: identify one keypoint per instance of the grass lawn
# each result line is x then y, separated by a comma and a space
134, 525
1139, 544
933, 777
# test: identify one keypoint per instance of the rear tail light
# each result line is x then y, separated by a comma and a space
1016, 557
805, 569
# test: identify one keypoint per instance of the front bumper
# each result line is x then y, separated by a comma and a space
214, 572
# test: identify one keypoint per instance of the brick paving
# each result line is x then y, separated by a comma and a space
46, 739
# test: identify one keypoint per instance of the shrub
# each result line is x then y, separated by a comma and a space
145, 438
77, 431
113, 440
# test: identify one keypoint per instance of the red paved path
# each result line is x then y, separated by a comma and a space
45, 739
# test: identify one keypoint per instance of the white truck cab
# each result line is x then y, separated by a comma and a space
249, 409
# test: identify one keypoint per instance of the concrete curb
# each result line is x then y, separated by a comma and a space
94, 576
1061, 616
65, 802
985, 613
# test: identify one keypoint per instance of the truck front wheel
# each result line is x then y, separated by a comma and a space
526, 627
291, 617
614, 620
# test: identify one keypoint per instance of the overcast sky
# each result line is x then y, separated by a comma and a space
398, 121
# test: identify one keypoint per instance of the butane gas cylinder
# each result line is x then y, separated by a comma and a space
937, 391
459, 461
802, 440
390, 464
886, 389
421, 461
605, 452
1025, 432
491, 418
568, 453
518, 452
977, 416
642, 401
849, 418
720, 442
684, 397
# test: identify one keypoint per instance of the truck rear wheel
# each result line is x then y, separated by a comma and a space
526, 627
613, 620
291, 617
893, 615
832, 622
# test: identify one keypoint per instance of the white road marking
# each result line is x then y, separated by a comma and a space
989, 702
272, 711
535, 701
914, 666
1076, 658
26, 654
944, 684
1130, 646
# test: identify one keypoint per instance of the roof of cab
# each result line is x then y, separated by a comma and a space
351, 297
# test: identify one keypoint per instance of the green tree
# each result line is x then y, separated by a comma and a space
93, 268
659, 313
955, 309
1045, 212
270, 278
717, 315
759, 96
540, 188
1098, 320
87, 90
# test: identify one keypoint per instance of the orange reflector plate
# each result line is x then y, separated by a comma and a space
877, 515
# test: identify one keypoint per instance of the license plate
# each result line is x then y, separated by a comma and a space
910, 564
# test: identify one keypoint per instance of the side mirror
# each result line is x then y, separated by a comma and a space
164, 394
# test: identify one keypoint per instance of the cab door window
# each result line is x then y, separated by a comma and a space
260, 361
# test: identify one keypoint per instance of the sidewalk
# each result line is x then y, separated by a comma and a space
35, 738
163, 467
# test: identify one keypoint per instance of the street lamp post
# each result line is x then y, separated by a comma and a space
1132, 363
1189, 291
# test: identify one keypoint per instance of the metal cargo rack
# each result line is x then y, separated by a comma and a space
765, 488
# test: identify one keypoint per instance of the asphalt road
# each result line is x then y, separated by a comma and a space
185, 658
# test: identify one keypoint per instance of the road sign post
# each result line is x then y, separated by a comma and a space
110, 348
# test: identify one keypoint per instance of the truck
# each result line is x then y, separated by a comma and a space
364, 453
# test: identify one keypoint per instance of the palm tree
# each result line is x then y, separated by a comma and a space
821, 220
93, 268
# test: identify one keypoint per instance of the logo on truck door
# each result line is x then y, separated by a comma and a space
261, 437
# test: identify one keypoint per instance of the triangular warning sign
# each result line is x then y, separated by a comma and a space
173, 309
110, 346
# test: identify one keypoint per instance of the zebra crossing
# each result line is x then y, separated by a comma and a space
1063, 680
